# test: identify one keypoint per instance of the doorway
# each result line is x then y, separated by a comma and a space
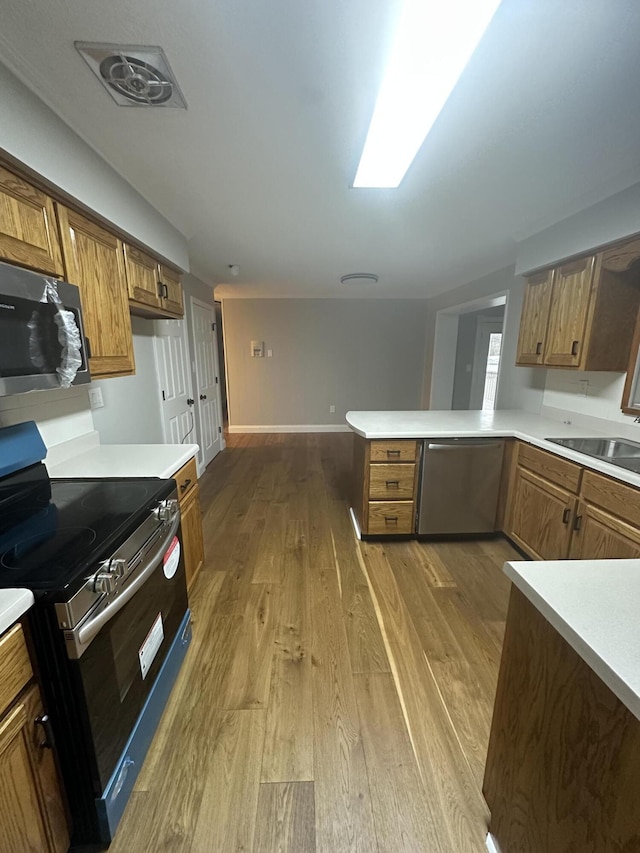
467, 350
206, 381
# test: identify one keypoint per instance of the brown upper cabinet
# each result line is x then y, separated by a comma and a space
154, 290
28, 232
94, 261
581, 314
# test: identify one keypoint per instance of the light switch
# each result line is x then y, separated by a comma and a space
257, 349
95, 398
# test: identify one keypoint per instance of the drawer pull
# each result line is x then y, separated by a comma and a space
44, 721
574, 347
184, 486
538, 347
566, 515
393, 453
391, 519
392, 483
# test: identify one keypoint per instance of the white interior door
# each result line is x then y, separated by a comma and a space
207, 391
172, 359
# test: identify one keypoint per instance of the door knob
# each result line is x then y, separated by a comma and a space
203, 396
190, 401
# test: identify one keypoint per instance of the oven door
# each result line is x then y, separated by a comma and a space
120, 665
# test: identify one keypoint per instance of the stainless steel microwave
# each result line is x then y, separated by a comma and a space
42, 342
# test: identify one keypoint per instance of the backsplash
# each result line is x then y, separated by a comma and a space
61, 414
589, 399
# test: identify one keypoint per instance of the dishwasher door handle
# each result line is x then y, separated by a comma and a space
479, 445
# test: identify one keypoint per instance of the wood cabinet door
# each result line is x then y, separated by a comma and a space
28, 228
94, 260
568, 314
601, 536
540, 516
534, 319
142, 277
192, 540
32, 815
172, 299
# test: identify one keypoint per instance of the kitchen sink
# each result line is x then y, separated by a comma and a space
617, 451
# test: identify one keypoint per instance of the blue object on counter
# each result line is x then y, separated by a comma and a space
20, 446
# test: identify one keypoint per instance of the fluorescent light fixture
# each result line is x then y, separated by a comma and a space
433, 43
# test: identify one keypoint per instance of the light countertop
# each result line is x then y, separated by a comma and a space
125, 460
506, 423
593, 604
13, 603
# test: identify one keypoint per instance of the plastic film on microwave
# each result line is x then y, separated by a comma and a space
68, 335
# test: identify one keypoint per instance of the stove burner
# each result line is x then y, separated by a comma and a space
30, 552
133, 494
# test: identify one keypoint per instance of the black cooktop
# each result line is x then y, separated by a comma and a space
54, 532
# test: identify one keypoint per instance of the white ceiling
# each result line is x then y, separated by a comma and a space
544, 122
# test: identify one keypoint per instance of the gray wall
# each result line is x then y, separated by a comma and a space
355, 354
34, 135
519, 387
131, 412
613, 219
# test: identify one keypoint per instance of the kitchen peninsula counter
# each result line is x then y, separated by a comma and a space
504, 423
13, 604
562, 771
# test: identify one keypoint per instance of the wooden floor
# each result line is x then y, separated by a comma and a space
337, 695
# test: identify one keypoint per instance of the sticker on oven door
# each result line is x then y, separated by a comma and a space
172, 558
149, 649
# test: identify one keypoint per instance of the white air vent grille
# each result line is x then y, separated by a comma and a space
134, 75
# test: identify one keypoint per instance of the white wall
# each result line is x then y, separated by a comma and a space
60, 414
34, 135
131, 412
610, 220
519, 387
352, 353
590, 399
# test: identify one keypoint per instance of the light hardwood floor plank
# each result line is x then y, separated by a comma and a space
286, 818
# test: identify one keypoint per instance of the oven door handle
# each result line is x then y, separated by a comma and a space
86, 632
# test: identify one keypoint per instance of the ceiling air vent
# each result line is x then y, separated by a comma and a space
134, 75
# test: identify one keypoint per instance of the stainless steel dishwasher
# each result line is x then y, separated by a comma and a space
460, 485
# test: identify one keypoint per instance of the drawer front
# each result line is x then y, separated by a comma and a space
186, 479
392, 481
559, 471
390, 517
393, 451
619, 499
15, 665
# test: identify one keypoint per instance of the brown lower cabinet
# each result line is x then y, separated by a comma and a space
191, 519
32, 814
562, 772
558, 510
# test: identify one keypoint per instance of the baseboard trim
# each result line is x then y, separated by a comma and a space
273, 428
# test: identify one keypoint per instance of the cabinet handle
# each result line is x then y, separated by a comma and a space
165, 291
159, 283
44, 721
393, 453
566, 515
185, 485
87, 345
538, 347
574, 347
394, 483
577, 524
391, 519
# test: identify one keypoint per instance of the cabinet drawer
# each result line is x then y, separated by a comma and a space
186, 479
15, 665
392, 481
621, 500
390, 517
553, 468
393, 451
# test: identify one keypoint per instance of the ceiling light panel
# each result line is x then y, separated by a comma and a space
433, 43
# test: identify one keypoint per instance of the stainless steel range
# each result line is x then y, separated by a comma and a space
111, 623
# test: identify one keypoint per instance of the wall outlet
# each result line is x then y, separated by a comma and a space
332, 408
95, 398
269, 353
257, 349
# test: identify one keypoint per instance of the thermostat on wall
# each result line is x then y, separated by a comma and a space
257, 349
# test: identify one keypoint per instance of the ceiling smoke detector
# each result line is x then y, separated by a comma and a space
134, 75
359, 278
